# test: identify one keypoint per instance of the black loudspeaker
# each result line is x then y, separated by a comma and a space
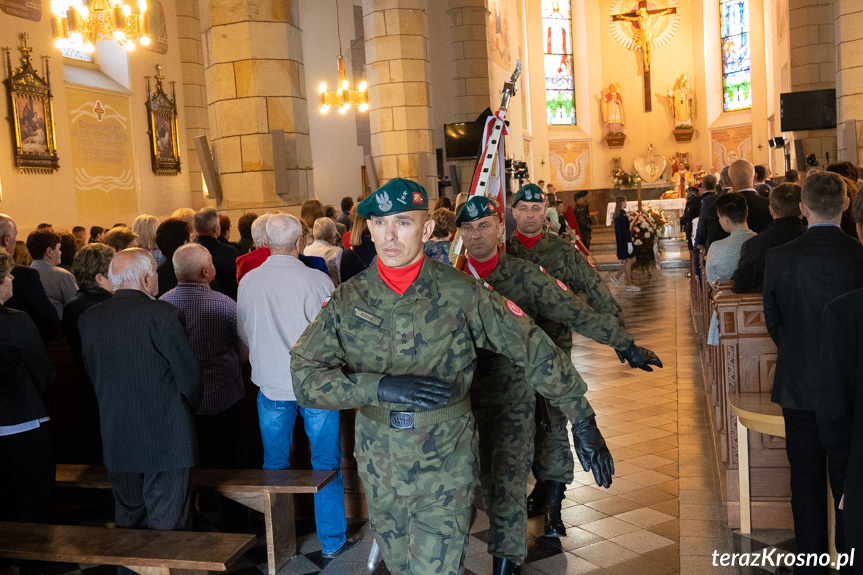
439, 159
778, 142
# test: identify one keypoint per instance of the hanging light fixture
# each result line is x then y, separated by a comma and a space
79, 24
343, 97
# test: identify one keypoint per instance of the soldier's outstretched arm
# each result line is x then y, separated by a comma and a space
554, 300
317, 368
585, 279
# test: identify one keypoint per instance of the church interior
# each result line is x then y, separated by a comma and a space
257, 105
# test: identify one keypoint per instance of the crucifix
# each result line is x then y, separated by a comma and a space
641, 20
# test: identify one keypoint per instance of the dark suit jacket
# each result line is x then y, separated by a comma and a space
749, 277
27, 372
800, 278
146, 377
86, 298
28, 295
758, 219
707, 201
225, 262
840, 409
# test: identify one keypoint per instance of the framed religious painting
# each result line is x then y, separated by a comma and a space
31, 114
164, 135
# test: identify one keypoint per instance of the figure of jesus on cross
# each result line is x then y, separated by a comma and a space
642, 19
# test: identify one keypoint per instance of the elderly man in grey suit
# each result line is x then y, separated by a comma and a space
147, 382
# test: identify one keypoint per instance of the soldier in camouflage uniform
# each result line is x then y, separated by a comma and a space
399, 341
501, 401
553, 462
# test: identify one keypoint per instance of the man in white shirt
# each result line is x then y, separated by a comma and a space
275, 304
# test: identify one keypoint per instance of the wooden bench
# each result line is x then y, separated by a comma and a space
268, 491
146, 552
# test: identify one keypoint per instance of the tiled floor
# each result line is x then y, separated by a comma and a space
662, 515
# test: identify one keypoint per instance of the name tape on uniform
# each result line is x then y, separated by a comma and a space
366, 316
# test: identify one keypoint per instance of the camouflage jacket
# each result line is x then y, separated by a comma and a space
564, 262
366, 331
541, 297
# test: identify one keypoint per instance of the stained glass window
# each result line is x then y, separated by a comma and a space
76, 54
736, 75
559, 75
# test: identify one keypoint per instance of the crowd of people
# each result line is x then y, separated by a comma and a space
799, 246
357, 308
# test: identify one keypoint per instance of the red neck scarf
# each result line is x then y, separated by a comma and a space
526, 241
483, 268
399, 279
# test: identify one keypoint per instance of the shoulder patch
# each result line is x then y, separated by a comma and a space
326, 301
561, 285
514, 309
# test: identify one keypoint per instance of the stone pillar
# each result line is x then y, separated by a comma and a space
813, 64
471, 84
397, 64
194, 92
469, 52
255, 84
849, 73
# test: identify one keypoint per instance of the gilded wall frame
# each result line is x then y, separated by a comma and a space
31, 114
164, 135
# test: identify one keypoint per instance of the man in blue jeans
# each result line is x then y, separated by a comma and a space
275, 303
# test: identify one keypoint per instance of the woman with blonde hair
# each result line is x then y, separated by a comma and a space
145, 226
324, 246
359, 255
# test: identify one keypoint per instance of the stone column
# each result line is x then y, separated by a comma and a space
194, 92
849, 73
471, 84
469, 52
397, 65
255, 84
813, 64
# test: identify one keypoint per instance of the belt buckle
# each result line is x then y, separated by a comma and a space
401, 420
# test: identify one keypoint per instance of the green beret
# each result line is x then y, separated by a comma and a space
476, 208
528, 193
396, 196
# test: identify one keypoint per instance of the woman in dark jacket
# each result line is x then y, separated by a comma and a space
26, 451
625, 249
361, 252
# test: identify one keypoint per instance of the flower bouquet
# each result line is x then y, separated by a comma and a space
622, 178
644, 227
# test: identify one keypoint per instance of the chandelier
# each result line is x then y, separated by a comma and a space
343, 97
79, 24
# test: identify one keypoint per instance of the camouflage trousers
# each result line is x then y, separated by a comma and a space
423, 534
505, 445
552, 455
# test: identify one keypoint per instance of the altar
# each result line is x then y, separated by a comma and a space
672, 208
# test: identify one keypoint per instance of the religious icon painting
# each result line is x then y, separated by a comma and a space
164, 135
32, 114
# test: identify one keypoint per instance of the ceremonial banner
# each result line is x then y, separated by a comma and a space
27, 9
102, 152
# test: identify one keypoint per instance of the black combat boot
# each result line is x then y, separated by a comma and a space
504, 566
554, 526
536, 499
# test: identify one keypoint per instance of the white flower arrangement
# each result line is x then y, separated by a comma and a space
637, 242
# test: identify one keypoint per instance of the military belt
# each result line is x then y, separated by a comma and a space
416, 419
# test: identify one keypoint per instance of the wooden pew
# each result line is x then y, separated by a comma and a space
146, 552
744, 363
268, 491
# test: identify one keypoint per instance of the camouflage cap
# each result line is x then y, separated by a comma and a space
396, 196
528, 193
476, 207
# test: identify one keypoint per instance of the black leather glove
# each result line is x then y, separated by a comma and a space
422, 392
591, 450
639, 357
